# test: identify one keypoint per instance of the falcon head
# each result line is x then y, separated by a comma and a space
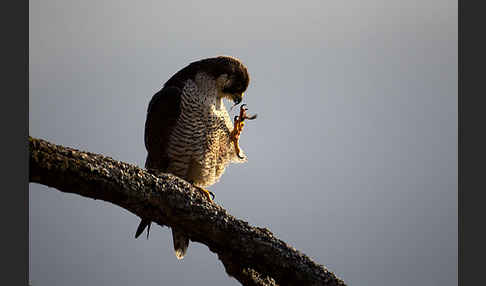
229, 73
232, 78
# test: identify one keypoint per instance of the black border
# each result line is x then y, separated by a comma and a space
460, 238
15, 87
471, 141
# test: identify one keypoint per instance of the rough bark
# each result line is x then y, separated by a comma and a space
253, 255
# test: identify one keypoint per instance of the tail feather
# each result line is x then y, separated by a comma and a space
181, 242
141, 227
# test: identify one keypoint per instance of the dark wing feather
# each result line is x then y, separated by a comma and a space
163, 111
162, 114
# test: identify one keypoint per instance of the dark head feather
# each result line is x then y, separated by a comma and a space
235, 69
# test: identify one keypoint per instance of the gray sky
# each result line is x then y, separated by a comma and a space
352, 160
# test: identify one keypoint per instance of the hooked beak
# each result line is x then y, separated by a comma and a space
237, 98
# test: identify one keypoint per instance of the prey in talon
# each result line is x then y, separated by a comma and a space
238, 127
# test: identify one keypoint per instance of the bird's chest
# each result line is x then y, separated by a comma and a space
209, 150
203, 128
218, 126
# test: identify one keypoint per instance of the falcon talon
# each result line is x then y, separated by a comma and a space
251, 117
207, 194
243, 114
238, 127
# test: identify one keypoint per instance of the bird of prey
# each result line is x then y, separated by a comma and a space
188, 131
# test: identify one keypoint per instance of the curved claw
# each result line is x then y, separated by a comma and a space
251, 117
212, 194
243, 114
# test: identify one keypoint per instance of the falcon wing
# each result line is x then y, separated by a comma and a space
162, 114
163, 110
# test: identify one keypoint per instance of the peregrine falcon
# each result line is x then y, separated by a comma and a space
188, 131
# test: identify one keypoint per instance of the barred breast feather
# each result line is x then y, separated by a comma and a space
199, 147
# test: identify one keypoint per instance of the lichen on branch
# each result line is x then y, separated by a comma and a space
253, 255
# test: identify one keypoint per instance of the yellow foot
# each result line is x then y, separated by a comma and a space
238, 127
235, 135
205, 193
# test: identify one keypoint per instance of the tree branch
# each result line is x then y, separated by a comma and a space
250, 254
